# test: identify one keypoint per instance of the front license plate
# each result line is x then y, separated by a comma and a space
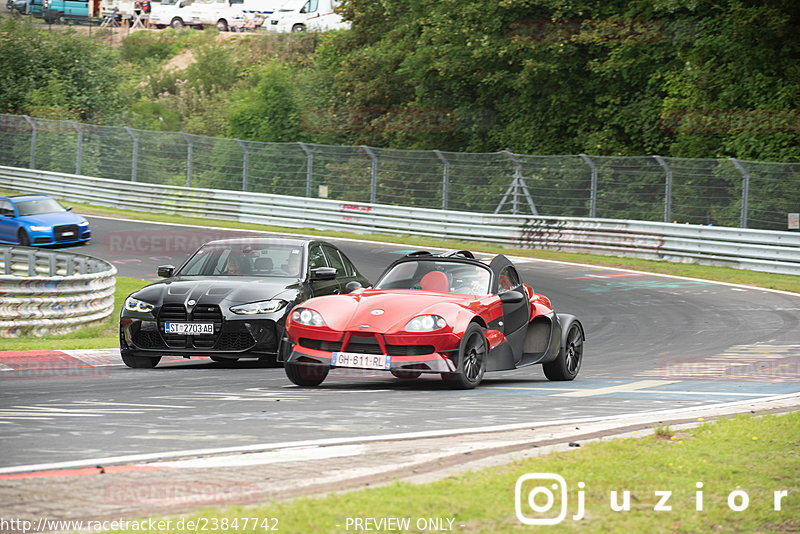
68, 234
189, 329
361, 361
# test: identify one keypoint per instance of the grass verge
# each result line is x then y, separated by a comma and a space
746, 455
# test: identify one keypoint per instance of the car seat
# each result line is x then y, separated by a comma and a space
435, 281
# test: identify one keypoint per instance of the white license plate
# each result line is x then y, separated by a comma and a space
189, 329
361, 361
67, 234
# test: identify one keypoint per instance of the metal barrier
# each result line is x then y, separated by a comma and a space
759, 250
44, 292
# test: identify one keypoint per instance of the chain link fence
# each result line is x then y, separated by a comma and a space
722, 192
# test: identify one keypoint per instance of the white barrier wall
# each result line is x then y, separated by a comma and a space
44, 292
759, 250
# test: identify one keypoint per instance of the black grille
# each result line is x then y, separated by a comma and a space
207, 313
67, 232
148, 340
234, 341
362, 345
172, 312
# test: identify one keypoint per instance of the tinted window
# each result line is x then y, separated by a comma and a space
507, 280
245, 259
334, 260
316, 258
38, 206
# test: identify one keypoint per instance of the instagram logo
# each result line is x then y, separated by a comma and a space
540, 498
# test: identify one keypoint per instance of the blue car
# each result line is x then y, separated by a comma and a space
35, 220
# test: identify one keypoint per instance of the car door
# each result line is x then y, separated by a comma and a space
317, 259
515, 314
8, 224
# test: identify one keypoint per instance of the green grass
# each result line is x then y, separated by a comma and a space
102, 336
757, 455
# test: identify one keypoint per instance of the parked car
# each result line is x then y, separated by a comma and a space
307, 15
36, 220
449, 314
230, 299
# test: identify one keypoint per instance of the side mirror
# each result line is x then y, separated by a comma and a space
68, 208
165, 271
511, 297
323, 273
352, 286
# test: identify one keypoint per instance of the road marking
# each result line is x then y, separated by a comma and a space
622, 388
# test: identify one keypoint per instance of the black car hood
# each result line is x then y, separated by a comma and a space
221, 290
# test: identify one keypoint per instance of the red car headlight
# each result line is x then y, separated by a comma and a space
307, 317
425, 323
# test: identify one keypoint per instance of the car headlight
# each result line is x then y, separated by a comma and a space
425, 323
307, 317
41, 228
132, 304
84, 223
262, 306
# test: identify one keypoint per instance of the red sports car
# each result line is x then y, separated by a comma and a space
447, 313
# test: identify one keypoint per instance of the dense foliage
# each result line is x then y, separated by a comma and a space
697, 78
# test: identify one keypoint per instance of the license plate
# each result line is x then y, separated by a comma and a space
189, 329
67, 234
361, 361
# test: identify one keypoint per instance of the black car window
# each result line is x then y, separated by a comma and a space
315, 257
507, 280
6, 208
38, 206
334, 260
348, 265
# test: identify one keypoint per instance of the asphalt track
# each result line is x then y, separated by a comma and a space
653, 343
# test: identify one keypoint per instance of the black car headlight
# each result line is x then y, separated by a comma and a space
132, 304
307, 317
262, 306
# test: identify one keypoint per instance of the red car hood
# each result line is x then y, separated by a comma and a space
386, 311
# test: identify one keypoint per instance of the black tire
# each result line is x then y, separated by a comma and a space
222, 25
406, 375
176, 23
298, 28
306, 375
139, 362
472, 355
23, 238
569, 360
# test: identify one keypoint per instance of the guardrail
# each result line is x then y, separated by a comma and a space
760, 250
44, 292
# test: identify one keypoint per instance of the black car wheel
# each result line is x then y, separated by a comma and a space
306, 375
139, 362
222, 25
297, 28
569, 360
23, 238
472, 353
177, 23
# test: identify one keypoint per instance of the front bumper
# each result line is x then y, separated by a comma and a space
68, 236
231, 338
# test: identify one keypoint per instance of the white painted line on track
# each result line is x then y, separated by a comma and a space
624, 419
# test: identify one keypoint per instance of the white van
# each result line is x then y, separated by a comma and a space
225, 14
307, 15
175, 13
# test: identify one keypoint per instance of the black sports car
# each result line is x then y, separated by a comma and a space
230, 299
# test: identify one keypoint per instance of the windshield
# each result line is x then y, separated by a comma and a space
246, 259
38, 206
444, 276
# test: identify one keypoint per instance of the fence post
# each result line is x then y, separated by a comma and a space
445, 178
245, 163
667, 188
33, 141
593, 193
373, 195
79, 151
309, 167
189, 147
745, 191
134, 154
